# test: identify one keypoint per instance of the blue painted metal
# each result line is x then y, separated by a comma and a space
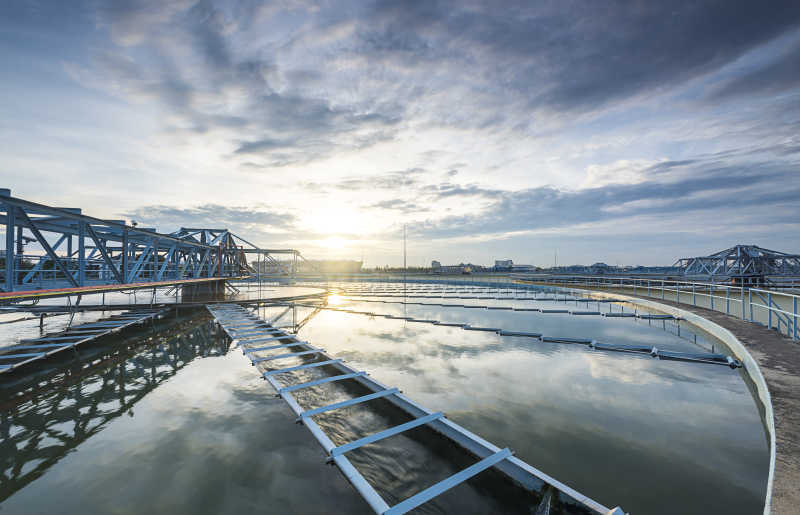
523, 473
302, 367
318, 382
68, 339
446, 484
273, 347
386, 433
289, 355
350, 402
111, 251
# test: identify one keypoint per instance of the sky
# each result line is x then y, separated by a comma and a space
623, 132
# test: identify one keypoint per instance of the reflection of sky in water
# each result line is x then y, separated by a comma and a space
624, 429
211, 438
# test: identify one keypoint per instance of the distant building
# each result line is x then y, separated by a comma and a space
503, 264
435, 264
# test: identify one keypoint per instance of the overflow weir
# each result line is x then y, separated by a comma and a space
257, 336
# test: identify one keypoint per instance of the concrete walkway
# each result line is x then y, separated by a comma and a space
778, 358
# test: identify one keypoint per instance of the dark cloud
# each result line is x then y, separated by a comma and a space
396, 180
403, 206
696, 189
211, 216
779, 76
562, 56
576, 54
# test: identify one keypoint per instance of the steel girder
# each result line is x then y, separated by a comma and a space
742, 261
79, 250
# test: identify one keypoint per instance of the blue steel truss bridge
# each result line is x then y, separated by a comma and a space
56, 251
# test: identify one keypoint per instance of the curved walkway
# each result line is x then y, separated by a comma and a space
778, 358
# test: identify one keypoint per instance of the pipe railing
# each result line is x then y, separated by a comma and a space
776, 310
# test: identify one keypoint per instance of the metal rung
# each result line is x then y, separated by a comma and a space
264, 340
55, 339
250, 332
385, 434
301, 367
446, 484
291, 354
488, 329
324, 380
271, 347
15, 356
42, 346
250, 339
351, 402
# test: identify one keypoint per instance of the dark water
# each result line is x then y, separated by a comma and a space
180, 424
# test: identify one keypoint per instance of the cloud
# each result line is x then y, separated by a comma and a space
681, 191
782, 75
212, 216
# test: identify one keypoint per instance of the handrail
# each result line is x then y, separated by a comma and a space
785, 313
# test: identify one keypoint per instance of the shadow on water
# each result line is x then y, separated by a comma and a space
50, 411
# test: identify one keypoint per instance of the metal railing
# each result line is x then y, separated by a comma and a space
774, 309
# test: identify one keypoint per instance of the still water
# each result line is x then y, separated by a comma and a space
172, 420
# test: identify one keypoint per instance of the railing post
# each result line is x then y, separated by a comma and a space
794, 315
711, 291
648, 288
678, 292
750, 302
662, 289
769, 310
744, 317
694, 295
727, 301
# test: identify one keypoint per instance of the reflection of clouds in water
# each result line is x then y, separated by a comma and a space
576, 413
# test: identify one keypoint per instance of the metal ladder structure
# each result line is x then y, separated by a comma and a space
35, 349
256, 336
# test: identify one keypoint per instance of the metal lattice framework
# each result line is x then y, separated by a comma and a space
742, 261
79, 250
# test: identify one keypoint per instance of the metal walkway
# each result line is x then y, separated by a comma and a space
35, 349
257, 336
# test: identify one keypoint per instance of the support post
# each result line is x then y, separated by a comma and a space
10, 261
744, 317
81, 253
124, 271
769, 310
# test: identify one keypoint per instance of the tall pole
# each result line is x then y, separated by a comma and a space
404, 253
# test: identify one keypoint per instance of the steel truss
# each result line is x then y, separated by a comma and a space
742, 261
79, 250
